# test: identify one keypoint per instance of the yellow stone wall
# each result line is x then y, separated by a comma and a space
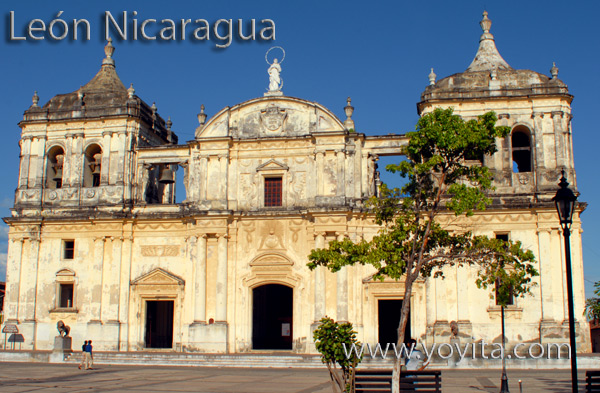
209, 252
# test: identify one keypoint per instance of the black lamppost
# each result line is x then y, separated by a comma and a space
565, 205
504, 382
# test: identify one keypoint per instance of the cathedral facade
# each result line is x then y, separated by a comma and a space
98, 241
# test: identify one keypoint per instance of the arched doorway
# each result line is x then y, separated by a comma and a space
272, 317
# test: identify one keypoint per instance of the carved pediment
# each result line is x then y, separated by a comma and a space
272, 165
271, 116
370, 280
271, 259
158, 277
65, 275
65, 272
271, 268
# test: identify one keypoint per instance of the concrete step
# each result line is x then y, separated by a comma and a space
217, 360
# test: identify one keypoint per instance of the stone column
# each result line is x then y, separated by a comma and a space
202, 183
106, 272
125, 279
105, 167
568, 134
186, 182
319, 281
350, 180
129, 169
221, 295
564, 308
24, 166
224, 179
320, 177
39, 162
115, 282
95, 283
200, 281
232, 178
538, 160
431, 293
440, 302
69, 165
190, 181
462, 292
144, 173
559, 139
545, 270
13, 280
364, 174
120, 169
31, 278
341, 181
342, 289
79, 157
577, 267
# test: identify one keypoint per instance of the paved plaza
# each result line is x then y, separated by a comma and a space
43, 377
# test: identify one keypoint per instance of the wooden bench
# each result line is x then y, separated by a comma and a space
592, 381
371, 381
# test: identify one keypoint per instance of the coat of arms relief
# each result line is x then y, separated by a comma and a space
272, 118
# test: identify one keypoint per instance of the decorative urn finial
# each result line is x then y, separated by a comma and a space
349, 110
554, 71
485, 23
109, 49
80, 95
35, 99
154, 109
432, 77
201, 116
130, 91
169, 123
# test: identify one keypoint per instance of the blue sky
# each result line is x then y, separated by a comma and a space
377, 52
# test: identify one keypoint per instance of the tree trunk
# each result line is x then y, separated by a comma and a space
335, 379
401, 327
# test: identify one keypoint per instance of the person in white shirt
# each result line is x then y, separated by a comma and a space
415, 360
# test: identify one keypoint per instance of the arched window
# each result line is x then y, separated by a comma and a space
521, 149
54, 167
92, 166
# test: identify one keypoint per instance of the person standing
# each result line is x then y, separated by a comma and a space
83, 354
415, 361
89, 356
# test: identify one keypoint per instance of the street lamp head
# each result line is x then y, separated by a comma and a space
565, 202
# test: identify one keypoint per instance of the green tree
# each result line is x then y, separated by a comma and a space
411, 242
509, 272
592, 305
330, 338
510, 275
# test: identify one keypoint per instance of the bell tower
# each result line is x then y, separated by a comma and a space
526, 170
77, 150
536, 107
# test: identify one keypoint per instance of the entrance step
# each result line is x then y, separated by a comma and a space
259, 360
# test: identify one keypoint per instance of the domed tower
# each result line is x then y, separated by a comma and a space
76, 180
536, 107
76, 150
526, 170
